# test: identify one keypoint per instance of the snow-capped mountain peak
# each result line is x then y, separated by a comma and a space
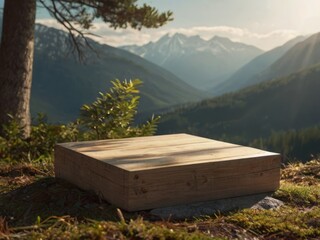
191, 57
179, 45
47, 39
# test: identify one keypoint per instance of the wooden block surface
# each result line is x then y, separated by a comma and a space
149, 172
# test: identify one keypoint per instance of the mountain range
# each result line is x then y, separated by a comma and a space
276, 79
249, 73
200, 63
274, 104
302, 55
286, 103
62, 84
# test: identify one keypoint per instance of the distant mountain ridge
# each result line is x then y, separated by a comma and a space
248, 74
302, 55
198, 62
286, 103
61, 85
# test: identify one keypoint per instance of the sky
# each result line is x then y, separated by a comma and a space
265, 24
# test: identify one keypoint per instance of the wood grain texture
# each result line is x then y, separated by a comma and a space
150, 172
134, 154
89, 174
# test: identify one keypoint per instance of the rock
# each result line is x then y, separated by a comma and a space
195, 210
268, 203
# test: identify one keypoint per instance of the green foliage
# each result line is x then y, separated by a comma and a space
112, 114
119, 14
39, 146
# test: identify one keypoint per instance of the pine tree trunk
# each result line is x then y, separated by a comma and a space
16, 61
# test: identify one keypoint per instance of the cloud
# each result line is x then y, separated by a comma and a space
264, 41
129, 36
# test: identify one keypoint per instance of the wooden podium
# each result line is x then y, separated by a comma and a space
150, 172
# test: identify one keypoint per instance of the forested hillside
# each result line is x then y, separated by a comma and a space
302, 55
248, 74
283, 104
302, 144
296, 55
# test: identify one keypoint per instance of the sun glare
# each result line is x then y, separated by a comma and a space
306, 15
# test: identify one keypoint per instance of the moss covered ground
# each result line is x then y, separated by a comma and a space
35, 205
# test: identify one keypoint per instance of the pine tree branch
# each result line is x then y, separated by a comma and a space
76, 16
75, 34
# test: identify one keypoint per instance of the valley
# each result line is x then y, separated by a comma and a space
253, 113
271, 102
215, 88
200, 63
78, 159
62, 84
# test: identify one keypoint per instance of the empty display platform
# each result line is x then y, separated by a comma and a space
150, 172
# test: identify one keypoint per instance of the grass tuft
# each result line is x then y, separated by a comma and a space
4, 228
286, 222
302, 174
299, 195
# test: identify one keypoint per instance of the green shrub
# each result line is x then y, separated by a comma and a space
39, 146
110, 116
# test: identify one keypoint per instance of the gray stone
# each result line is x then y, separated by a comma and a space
268, 203
195, 210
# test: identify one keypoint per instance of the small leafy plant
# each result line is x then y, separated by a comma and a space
112, 114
